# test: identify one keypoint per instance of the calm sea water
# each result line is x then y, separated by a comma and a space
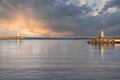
58, 60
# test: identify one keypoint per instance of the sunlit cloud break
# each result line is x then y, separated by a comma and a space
60, 17
29, 27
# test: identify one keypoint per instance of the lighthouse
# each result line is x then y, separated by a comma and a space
102, 34
103, 40
18, 35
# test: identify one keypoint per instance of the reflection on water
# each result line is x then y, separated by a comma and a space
103, 46
58, 60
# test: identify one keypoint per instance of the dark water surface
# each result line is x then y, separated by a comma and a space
58, 60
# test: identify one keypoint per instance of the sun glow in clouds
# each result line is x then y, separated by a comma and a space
29, 26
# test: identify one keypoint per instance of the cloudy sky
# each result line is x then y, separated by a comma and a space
60, 17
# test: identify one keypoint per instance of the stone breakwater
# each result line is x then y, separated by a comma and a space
11, 37
103, 40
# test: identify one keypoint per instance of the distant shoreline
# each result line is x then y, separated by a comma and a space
44, 38
54, 38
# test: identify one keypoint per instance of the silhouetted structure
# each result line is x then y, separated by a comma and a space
102, 39
12, 37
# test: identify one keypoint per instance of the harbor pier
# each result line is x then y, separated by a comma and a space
104, 40
11, 37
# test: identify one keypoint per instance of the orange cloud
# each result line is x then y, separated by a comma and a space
28, 26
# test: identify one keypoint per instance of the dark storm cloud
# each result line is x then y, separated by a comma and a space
73, 18
62, 16
112, 3
112, 20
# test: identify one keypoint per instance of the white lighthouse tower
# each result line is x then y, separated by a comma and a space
18, 34
102, 34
